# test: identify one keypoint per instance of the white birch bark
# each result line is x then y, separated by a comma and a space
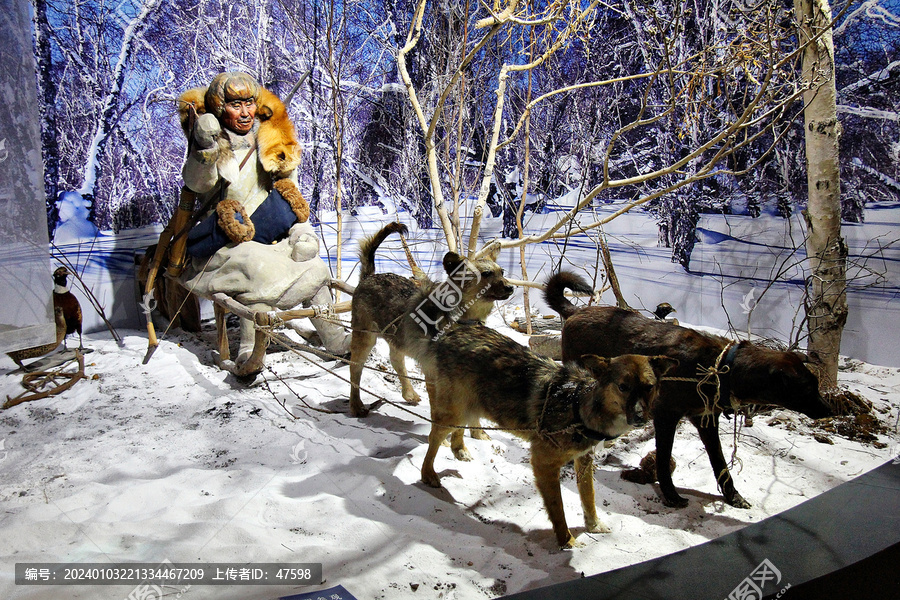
827, 252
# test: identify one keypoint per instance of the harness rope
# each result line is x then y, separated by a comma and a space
707, 376
296, 348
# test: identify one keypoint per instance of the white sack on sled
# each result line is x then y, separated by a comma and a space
280, 276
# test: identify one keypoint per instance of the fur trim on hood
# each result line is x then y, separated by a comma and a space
279, 150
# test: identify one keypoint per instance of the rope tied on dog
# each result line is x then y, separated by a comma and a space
578, 430
298, 349
538, 429
710, 376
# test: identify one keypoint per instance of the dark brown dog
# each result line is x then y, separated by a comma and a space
402, 311
749, 374
473, 371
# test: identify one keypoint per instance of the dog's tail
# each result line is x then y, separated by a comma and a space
554, 292
368, 246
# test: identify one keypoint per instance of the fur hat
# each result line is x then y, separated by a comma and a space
224, 87
279, 150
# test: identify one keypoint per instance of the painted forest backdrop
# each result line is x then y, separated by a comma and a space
691, 107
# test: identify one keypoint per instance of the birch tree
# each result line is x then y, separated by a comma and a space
95, 77
110, 90
867, 56
47, 94
827, 285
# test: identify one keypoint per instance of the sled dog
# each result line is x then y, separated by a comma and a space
401, 311
740, 374
473, 371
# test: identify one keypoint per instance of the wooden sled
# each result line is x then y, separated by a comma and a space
44, 380
171, 297
224, 304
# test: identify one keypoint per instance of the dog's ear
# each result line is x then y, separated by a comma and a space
662, 365
595, 364
452, 260
493, 251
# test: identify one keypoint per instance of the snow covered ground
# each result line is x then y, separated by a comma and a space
177, 461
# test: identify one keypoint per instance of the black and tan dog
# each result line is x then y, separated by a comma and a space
747, 375
473, 371
404, 312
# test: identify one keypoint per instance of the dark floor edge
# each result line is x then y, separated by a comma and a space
870, 578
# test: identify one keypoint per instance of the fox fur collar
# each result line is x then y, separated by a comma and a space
279, 150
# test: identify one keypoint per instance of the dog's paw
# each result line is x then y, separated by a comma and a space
431, 480
412, 397
597, 527
479, 434
571, 544
358, 411
462, 454
738, 501
676, 502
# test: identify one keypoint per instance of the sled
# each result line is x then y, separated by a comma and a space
50, 378
171, 249
264, 321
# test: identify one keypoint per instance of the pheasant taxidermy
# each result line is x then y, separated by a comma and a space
66, 300
19, 355
663, 310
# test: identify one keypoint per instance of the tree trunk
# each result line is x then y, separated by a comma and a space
316, 160
685, 217
47, 94
338, 110
826, 308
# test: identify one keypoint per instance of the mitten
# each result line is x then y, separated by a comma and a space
206, 131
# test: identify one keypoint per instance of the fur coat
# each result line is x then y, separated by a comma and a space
279, 150
278, 155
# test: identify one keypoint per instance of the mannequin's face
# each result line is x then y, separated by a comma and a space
239, 114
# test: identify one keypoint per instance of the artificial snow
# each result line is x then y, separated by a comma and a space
176, 460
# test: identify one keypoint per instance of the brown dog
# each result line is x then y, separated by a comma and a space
400, 311
748, 374
564, 411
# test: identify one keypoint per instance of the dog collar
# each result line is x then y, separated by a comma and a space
581, 428
590, 434
729, 356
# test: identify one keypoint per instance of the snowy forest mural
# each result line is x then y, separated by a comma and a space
442, 112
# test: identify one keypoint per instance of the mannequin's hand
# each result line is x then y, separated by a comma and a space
206, 131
